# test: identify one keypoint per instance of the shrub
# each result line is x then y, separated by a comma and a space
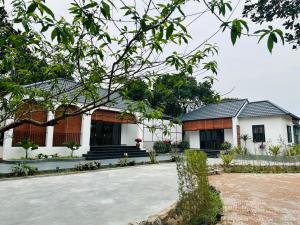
42, 156
238, 150
152, 157
174, 155
88, 166
162, 146
22, 169
73, 146
226, 146
124, 160
184, 145
198, 203
227, 157
26, 144
275, 149
293, 150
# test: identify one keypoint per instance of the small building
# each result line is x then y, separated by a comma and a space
263, 122
104, 132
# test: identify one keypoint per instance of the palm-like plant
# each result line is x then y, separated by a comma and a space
275, 149
27, 145
245, 138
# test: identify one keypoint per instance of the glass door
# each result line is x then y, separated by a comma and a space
105, 133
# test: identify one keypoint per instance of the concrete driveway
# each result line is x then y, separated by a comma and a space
108, 197
259, 199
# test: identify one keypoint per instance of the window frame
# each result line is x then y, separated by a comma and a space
289, 133
259, 137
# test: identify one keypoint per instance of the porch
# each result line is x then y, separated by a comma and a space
102, 127
209, 134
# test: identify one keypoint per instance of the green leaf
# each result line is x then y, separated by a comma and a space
280, 34
47, 10
190, 69
54, 33
105, 10
270, 43
90, 5
234, 35
31, 7
169, 31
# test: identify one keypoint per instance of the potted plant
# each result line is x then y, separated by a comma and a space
138, 141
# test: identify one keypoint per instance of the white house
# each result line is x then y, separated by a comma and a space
263, 121
101, 133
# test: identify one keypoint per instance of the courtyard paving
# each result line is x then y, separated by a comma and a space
259, 199
122, 195
105, 197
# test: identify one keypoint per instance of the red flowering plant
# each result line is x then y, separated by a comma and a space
138, 140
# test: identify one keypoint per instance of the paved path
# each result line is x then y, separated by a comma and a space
260, 199
107, 197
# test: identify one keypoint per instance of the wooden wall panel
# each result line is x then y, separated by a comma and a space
114, 117
210, 124
35, 134
68, 129
238, 129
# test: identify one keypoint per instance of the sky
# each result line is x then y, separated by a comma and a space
246, 70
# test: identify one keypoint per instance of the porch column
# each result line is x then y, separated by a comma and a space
49, 130
8, 136
234, 131
86, 130
7, 141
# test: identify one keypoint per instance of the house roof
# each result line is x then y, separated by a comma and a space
61, 86
264, 108
215, 111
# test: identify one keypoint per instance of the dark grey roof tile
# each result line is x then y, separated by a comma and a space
214, 111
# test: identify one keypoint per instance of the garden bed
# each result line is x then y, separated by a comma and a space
262, 169
67, 159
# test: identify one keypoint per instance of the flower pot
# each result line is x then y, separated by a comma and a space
138, 145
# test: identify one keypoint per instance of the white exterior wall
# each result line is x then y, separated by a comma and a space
228, 136
129, 132
193, 137
275, 131
149, 137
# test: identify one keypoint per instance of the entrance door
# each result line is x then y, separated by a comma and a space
105, 133
211, 139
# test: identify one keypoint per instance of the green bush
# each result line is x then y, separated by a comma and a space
293, 150
88, 166
42, 156
124, 160
152, 157
22, 169
73, 146
275, 149
238, 150
198, 203
227, 157
184, 145
162, 146
27, 145
226, 146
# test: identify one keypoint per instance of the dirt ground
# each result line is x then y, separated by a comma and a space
255, 199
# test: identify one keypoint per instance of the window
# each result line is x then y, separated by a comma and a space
289, 134
258, 132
